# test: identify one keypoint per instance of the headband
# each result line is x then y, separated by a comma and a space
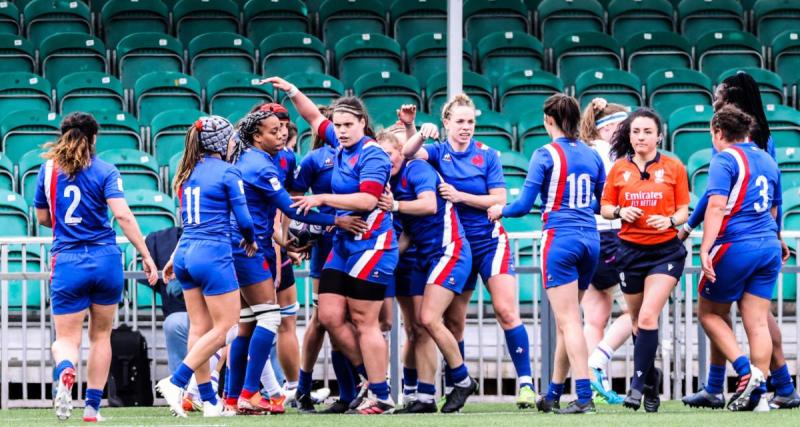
611, 119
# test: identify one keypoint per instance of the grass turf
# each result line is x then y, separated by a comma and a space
478, 414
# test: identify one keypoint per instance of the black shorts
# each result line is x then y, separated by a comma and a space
606, 275
340, 283
636, 262
287, 272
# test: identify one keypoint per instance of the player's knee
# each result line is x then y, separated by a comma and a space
507, 316
647, 321
331, 319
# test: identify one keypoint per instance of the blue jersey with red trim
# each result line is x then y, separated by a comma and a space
566, 174
314, 172
286, 162
207, 199
475, 170
261, 182
363, 165
429, 231
78, 205
750, 179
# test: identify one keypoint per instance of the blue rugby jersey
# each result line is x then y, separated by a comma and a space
314, 172
286, 162
78, 207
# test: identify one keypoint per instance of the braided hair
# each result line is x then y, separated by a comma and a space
248, 127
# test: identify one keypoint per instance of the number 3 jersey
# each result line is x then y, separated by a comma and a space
750, 179
78, 208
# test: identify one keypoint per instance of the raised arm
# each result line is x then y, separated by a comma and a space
412, 149
306, 107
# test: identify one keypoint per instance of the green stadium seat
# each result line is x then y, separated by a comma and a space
118, 130
359, 54
427, 55
212, 52
627, 18
9, 19
320, 88
90, 90
161, 91
773, 17
494, 130
7, 175
193, 18
575, 52
789, 162
483, 17
671, 89
514, 164
413, 17
28, 167
13, 215
232, 92
28, 130
688, 130
46, 17
142, 53
785, 56
696, 18
304, 141
503, 52
716, 51
475, 85
697, 168
168, 131
514, 184
265, 18
25, 295
67, 53
138, 169
339, 19
174, 161
784, 125
531, 134
791, 209
287, 53
122, 17
154, 211
648, 52
24, 91
558, 17
383, 92
522, 93
769, 83
614, 85
16, 54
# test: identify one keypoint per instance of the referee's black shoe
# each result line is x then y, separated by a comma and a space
651, 398
458, 397
418, 407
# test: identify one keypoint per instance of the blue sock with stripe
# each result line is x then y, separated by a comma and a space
782, 381
345, 377
258, 352
409, 381
60, 367
380, 390
518, 348
93, 397
716, 379
182, 375
583, 389
741, 365
554, 391
237, 365
207, 393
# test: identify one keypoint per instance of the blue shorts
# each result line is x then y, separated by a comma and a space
448, 266
490, 256
569, 254
84, 276
319, 254
206, 264
606, 274
409, 276
757, 275
374, 265
250, 270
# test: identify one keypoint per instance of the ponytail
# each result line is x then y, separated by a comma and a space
73, 150
192, 154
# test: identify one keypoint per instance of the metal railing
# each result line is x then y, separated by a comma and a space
26, 331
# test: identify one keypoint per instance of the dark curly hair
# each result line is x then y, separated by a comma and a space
247, 127
734, 123
621, 141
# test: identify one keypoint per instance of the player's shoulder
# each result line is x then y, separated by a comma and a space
669, 162
481, 147
370, 148
419, 166
101, 166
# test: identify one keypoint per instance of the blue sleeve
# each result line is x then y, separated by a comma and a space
234, 187
434, 153
292, 160
699, 212
375, 166
327, 132
777, 201
244, 220
771, 148
112, 185
40, 197
422, 177
304, 174
721, 175
282, 201
540, 163
494, 171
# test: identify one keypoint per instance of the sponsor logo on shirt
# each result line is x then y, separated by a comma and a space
446, 157
328, 161
643, 198
276, 184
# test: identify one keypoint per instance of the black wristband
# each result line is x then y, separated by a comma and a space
617, 211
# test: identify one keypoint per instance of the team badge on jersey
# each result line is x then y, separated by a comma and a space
626, 176
659, 176
446, 157
477, 160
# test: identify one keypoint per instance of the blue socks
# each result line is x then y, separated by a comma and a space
554, 391
207, 393
93, 397
409, 381
518, 347
362, 370
182, 375
782, 381
238, 366
459, 374
425, 392
716, 379
584, 390
64, 364
742, 365
380, 390
304, 384
258, 352
345, 377
448, 373
644, 355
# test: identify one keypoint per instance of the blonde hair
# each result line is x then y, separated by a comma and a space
73, 150
597, 109
386, 136
460, 100
192, 155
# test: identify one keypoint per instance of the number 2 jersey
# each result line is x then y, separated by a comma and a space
750, 178
78, 208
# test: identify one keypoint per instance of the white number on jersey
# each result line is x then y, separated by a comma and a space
580, 193
763, 191
192, 193
74, 193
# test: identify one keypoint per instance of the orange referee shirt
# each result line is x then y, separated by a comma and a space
657, 191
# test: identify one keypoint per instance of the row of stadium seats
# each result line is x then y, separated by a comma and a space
401, 19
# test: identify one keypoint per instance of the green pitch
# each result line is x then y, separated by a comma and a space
483, 414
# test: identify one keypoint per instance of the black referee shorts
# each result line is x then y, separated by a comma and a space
635, 262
